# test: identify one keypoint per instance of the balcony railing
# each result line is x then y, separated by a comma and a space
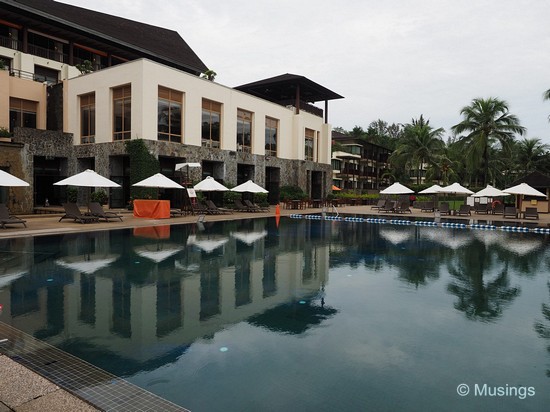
31, 76
48, 53
11, 43
306, 107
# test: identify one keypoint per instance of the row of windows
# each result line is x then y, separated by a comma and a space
170, 122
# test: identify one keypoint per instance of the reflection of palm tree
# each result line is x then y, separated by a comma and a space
479, 299
543, 329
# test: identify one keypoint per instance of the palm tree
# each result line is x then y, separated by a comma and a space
486, 122
530, 153
419, 146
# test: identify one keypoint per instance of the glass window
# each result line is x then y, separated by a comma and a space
271, 131
122, 113
244, 131
22, 113
87, 118
211, 120
309, 144
170, 115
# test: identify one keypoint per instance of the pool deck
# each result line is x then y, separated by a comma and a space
26, 390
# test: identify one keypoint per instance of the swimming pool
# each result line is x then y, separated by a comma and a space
301, 315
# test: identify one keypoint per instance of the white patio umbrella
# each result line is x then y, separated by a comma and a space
456, 189
396, 189
249, 186
490, 191
158, 180
524, 189
210, 185
7, 179
87, 178
432, 190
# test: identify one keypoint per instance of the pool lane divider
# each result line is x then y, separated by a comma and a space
476, 226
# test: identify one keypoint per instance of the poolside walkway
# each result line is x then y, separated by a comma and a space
24, 390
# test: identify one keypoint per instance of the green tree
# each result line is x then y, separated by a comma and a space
209, 75
531, 152
546, 96
485, 122
420, 146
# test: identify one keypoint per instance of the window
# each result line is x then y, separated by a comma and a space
122, 113
211, 120
244, 131
169, 115
87, 118
271, 130
309, 144
22, 113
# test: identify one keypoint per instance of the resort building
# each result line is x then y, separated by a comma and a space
358, 164
76, 85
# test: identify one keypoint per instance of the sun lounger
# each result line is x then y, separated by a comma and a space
403, 207
427, 206
7, 219
531, 213
444, 208
97, 210
510, 211
498, 209
241, 207
481, 208
73, 212
379, 204
389, 206
254, 206
175, 212
464, 210
215, 210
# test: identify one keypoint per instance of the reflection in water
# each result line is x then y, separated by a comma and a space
138, 303
543, 327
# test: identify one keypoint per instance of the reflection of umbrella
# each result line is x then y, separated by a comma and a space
158, 180
7, 279
395, 236
158, 252
450, 239
10, 180
490, 191
86, 263
210, 185
396, 189
87, 178
521, 247
209, 244
249, 186
249, 237
335, 188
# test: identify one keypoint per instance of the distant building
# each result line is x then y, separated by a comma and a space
78, 84
360, 165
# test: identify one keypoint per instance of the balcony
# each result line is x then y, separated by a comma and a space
34, 77
11, 43
304, 106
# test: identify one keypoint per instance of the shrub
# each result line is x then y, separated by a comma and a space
99, 196
261, 199
4, 132
72, 194
291, 193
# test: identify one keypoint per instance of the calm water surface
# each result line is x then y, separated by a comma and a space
296, 316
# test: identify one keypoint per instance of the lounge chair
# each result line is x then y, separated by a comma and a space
498, 209
241, 207
464, 210
215, 210
531, 213
481, 208
403, 207
444, 208
175, 212
427, 206
510, 211
197, 208
97, 210
379, 204
254, 206
7, 219
389, 206
73, 212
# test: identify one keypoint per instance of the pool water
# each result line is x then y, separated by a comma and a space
296, 315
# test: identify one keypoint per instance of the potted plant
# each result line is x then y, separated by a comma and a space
5, 134
99, 196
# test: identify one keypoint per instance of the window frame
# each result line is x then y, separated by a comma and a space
125, 101
309, 136
211, 109
271, 124
87, 103
173, 99
23, 108
244, 125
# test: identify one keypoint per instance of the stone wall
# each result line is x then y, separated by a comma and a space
19, 199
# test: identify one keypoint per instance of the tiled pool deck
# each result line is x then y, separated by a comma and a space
35, 376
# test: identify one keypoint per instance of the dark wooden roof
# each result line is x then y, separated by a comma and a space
534, 179
283, 88
79, 24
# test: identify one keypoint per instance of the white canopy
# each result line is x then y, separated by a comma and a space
210, 185
87, 178
396, 189
7, 179
524, 189
456, 188
432, 190
249, 186
159, 180
490, 191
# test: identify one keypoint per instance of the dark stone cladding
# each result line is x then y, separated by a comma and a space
33, 142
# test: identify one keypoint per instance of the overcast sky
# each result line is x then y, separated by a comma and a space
392, 60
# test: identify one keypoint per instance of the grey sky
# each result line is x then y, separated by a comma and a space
391, 60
